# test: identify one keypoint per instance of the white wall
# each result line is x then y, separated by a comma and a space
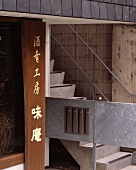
17, 167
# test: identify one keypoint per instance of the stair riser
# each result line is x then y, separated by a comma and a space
105, 150
102, 166
62, 92
121, 164
102, 150
83, 155
57, 78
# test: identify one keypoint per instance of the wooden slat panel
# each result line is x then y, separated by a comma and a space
34, 149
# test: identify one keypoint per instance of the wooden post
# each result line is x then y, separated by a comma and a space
33, 51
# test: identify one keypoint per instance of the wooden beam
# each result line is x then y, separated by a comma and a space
33, 50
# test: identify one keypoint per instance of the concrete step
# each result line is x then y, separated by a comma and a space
56, 78
116, 161
101, 150
84, 155
131, 167
62, 90
51, 65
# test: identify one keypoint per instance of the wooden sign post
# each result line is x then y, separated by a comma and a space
33, 51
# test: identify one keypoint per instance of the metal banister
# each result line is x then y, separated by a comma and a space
91, 81
101, 61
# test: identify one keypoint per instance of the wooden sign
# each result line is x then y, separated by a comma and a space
33, 50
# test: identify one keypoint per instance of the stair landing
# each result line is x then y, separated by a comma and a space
131, 167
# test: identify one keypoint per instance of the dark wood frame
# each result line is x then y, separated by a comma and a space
19, 158
12, 159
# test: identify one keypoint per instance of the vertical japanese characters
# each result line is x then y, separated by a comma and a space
36, 112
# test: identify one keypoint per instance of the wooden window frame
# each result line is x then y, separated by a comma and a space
11, 160
17, 158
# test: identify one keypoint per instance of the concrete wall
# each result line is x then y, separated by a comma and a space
124, 63
120, 10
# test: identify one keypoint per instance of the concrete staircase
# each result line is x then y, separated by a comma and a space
57, 88
108, 157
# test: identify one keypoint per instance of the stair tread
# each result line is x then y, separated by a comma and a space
113, 157
131, 167
61, 85
55, 72
89, 145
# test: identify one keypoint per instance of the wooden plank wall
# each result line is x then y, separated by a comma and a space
124, 62
99, 37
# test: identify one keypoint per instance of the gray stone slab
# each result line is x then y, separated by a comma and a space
134, 3
46, 6
100, 0
95, 10
9, 5
86, 9
116, 124
77, 8
55, 118
35, 6
1, 6
66, 8
126, 13
111, 11
132, 14
118, 12
114, 1
103, 11
130, 2
23, 5
109, 1
122, 2
56, 7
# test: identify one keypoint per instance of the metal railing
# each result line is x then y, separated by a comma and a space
91, 81
99, 59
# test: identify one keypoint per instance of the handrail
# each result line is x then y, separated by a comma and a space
91, 81
101, 61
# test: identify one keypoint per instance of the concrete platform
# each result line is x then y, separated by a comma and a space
131, 167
